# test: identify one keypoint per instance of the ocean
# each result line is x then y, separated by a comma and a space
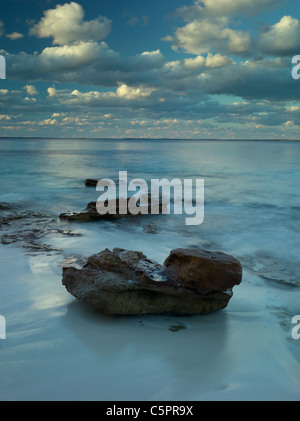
58, 349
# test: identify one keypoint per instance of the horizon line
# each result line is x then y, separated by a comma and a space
150, 138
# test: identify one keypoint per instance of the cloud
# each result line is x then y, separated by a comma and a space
210, 35
217, 60
130, 93
190, 75
210, 28
281, 39
76, 55
133, 21
48, 122
15, 35
123, 93
200, 62
31, 90
65, 24
208, 89
85, 60
211, 8
4, 117
186, 115
252, 79
289, 123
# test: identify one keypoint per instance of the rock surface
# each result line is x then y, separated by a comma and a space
91, 214
205, 269
90, 182
29, 228
121, 282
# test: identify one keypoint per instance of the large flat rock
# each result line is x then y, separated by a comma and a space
121, 282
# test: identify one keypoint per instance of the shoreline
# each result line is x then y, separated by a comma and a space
45, 324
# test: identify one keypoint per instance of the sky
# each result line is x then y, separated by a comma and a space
198, 69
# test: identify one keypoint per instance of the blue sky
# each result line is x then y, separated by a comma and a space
168, 68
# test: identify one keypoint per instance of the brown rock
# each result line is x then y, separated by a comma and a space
124, 282
91, 214
207, 270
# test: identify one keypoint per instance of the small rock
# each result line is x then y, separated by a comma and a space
151, 228
90, 182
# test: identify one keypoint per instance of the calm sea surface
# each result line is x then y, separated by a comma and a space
252, 200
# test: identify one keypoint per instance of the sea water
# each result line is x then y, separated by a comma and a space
57, 348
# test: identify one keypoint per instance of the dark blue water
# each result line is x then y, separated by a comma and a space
252, 202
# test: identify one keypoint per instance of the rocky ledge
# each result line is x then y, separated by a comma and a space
120, 282
90, 212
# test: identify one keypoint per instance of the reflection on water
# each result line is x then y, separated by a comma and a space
151, 336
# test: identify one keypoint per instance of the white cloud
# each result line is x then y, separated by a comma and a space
31, 90
27, 99
217, 60
208, 8
15, 35
210, 35
199, 62
4, 117
75, 55
48, 122
130, 93
52, 91
57, 115
194, 63
65, 24
122, 93
283, 38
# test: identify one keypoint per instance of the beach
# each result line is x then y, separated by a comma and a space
58, 348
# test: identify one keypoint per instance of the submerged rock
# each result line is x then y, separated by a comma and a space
90, 182
91, 214
121, 282
29, 228
151, 228
88, 214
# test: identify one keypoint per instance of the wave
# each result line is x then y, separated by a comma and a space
270, 267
